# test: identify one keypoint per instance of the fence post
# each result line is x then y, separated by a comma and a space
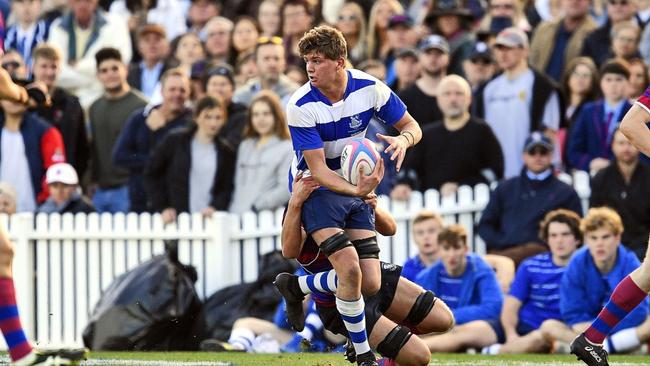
220, 256
21, 229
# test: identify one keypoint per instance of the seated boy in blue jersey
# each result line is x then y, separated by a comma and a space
426, 226
333, 108
469, 287
535, 292
592, 274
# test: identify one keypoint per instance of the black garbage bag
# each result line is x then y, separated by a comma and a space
258, 299
151, 307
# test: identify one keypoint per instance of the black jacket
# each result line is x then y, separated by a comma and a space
543, 86
167, 175
134, 77
67, 116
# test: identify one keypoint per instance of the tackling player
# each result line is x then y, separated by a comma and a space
335, 106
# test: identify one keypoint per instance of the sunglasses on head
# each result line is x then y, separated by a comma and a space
272, 40
10, 65
349, 17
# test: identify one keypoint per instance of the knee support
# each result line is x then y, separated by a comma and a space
394, 341
367, 248
421, 308
335, 243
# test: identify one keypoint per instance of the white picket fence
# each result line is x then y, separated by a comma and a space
63, 263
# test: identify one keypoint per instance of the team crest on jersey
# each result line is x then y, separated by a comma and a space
355, 122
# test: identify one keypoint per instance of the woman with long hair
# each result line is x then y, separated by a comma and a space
579, 86
191, 170
263, 157
244, 36
352, 23
639, 78
186, 50
380, 13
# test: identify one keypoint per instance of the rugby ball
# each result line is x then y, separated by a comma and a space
359, 153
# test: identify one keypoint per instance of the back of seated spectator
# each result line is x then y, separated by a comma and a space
261, 179
509, 224
592, 274
469, 287
590, 138
63, 185
7, 198
192, 169
625, 187
534, 294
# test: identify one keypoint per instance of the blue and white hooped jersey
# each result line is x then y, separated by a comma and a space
316, 123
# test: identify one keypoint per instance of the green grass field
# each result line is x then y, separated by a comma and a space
325, 359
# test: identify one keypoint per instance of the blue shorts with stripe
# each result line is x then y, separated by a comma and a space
376, 304
326, 209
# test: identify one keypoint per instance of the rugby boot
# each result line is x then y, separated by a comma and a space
367, 359
58, 357
591, 354
287, 284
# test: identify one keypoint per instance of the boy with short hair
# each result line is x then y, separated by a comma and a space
426, 226
591, 276
467, 284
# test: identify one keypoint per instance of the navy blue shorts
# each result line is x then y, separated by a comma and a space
523, 328
326, 209
495, 324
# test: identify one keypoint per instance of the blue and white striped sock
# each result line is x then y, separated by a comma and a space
242, 338
326, 282
352, 313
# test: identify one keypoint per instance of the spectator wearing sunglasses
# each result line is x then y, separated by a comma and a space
597, 44
352, 23
271, 64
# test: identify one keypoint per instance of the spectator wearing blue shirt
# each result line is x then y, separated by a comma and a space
590, 138
426, 226
591, 276
535, 292
469, 287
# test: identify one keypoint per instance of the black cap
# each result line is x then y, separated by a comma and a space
538, 139
222, 70
400, 20
407, 52
481, 51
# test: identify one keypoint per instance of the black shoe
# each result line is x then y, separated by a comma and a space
287, 284
350, 353
591, 354
213, 345
367, 359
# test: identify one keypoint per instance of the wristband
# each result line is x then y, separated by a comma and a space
407, 139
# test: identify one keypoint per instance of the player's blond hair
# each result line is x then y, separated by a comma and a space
602, 217
425, 215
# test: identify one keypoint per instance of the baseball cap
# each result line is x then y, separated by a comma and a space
407, 52
434, 41
61, 173
480, 51
537, 139
152, 29
222, 70
400, 20
512, 37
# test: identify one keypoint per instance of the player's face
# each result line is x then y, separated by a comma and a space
112, 75
613, 86
219, 86
425, 235
561, 240
623, 150
321, 70
262, 118
175, 92
453, 258
210, 121
46, 71
602, 244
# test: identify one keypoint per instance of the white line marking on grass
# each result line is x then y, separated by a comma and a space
109, 362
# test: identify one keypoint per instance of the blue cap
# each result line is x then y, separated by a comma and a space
538, 139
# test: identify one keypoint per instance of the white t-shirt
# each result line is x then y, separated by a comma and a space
202, 173
14, 169
507, 111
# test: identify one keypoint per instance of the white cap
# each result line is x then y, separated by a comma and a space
61, 173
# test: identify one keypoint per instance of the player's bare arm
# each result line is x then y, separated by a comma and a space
410, 134
293, 236
635, 129
10, 91
328, 178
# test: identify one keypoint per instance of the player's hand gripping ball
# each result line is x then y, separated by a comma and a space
359, 154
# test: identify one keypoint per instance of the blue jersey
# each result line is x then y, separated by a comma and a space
412, 267
537, 286
449, 288
314, 122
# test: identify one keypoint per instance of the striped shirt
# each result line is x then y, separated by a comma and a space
537, 286
315, 123
644, 100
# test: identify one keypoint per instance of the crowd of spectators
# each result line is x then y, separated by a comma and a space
177, 106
